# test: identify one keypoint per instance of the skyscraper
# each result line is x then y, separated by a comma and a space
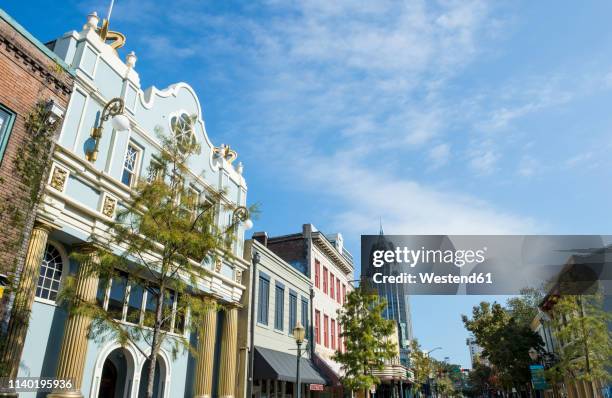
396, 295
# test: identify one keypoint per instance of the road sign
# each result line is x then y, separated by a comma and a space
537, 377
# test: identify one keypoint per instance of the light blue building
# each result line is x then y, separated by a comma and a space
86, 187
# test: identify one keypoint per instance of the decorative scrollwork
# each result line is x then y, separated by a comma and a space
58, 179
225, 152
109, 205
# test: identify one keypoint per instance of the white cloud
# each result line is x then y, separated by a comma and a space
439, 155
408, 207
483, 158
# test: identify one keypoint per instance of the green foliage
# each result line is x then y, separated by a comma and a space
30, 166
506, 338
580, 325
366, 333
163, 237
524, 308
421, 364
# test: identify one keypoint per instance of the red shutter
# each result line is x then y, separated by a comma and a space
325, 276
332, 283
317, 274
325, 330
338, 293
318, 326
333, 334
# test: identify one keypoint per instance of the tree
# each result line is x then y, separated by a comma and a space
482, 379
580, 325
505, 340
524, 308
366, 334
162, 236
421, 364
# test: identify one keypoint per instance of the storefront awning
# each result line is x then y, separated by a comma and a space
330, 368
276, 365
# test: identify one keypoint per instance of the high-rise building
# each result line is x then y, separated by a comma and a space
475, 352
397, 296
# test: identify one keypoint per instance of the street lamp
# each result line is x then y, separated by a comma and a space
241, 214
299, 333
432, 350
114, 108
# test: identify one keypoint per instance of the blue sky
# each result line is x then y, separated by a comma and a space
442, 117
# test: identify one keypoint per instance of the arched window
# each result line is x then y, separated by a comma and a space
50, 273
182, 128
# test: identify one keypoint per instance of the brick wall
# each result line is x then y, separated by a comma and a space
289, 250
27, 75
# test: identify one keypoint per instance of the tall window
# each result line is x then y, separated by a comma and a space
339, 337
116, 297
325, 330
155, 171
338, 293
263, 299
317, 274
333, 334
292, 311
50, 274
325, 276
279, 306
124, 298
305, 317
332, 283
318, 326
130, 165
6, 124
343, 294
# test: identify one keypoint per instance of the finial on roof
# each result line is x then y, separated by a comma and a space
92, 21
130, 59
381, 232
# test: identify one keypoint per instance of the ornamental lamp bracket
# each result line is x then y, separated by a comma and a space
114, 109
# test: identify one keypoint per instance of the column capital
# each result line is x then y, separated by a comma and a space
44, 225
87, 247
231, 306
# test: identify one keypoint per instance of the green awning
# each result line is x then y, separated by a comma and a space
276, 365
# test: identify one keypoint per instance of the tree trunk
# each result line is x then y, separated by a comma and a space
159, 312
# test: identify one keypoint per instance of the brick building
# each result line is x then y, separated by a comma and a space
29, 73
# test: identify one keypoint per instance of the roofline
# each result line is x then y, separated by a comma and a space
37, 43
255, 244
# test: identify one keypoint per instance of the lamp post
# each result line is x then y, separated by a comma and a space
114, 108
299, 333
255, 260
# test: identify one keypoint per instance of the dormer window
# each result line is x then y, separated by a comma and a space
182, 128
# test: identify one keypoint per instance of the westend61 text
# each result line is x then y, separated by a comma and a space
431, 278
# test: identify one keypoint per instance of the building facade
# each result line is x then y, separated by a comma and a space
396, 379
475, 353
31, 75
397, 297
89, 182
330, 268
280, 299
